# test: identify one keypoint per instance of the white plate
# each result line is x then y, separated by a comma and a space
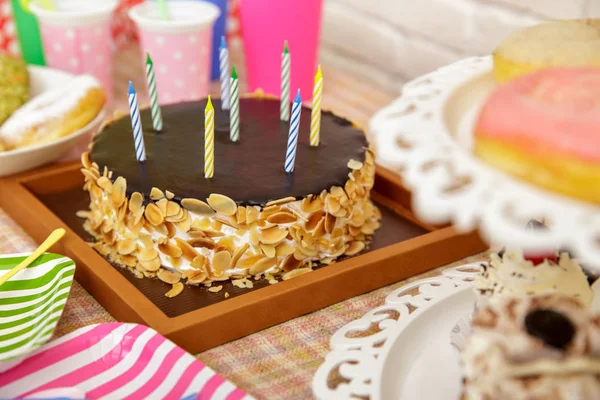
12, 162
402, 350
425, 136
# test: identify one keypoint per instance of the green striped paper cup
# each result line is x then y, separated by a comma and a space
31, 303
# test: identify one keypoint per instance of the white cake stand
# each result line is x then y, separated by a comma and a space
425, 136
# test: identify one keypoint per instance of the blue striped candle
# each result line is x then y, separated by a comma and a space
224, 65
136, 125
292, 145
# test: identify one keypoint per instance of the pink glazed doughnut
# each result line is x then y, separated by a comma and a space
545, 128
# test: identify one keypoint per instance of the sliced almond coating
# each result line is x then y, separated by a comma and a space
85, 160
333, 205
358, 218
222, 204
295, 273
227, 242
170, 250
162, 229
221, 262
238, 254
136, 202
216, 225
199, 262
154, 215
251, 214
309, 250
298, 255
240, 217
284, 249
171, 231
354, 165
151, 265
130, 261
147, 254
280, 201
320, 229
268, 250
105, 184
291, 263
197, 207
341, 213
249, 261
353, 230
156, 194
281, 217
172, 209
254, 237
175, 290
337, 191
215, 289
266, 212
118, 192
355, 248
202, 242
162, 206
89, 175
262, 265
185, 225
189, 253
83, 214
314, 219
196, 234
311, 204
126, 246
273, 235
169, 195
195, 277
168, 276
213, 234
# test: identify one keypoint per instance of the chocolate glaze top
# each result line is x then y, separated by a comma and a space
249, 171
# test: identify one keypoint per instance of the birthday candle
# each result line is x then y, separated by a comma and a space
285, 83
155, 107
234, 113
136, 124
224, 65
209, 140
315, 117
290, 156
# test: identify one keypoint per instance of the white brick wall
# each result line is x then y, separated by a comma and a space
391, 41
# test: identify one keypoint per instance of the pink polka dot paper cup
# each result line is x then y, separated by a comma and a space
180, 47
76, 37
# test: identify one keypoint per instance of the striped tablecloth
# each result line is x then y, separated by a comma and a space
279, 362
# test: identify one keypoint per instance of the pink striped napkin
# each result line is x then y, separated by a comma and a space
115, 361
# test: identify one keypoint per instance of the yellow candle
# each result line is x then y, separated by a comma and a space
209, 140
315, 117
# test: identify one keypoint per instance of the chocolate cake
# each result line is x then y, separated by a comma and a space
252, 219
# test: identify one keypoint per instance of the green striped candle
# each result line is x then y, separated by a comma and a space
234, 111
284, 109
157, 122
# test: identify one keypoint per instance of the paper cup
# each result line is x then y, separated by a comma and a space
76, 37
180, 47
265, 25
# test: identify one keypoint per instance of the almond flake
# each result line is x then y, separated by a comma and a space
354, 165
280, 201
238, 254
105, 184
136, 202
222, 204
156, 194
251, 214
169, 195
202, 242
355, 248
215, 289
273, 235
262, 265
172, 209
175, 290
118, 192
268, 250
85, 160
189, 253
241, 215
170, 250
126, 246
154, 215
197, 207
168, 276
281, 218
152, 265
295, 273
147, 254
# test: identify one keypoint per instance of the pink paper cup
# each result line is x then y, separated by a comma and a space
265, 25
76, 37
180, 47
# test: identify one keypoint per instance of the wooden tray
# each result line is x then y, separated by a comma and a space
197, 320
